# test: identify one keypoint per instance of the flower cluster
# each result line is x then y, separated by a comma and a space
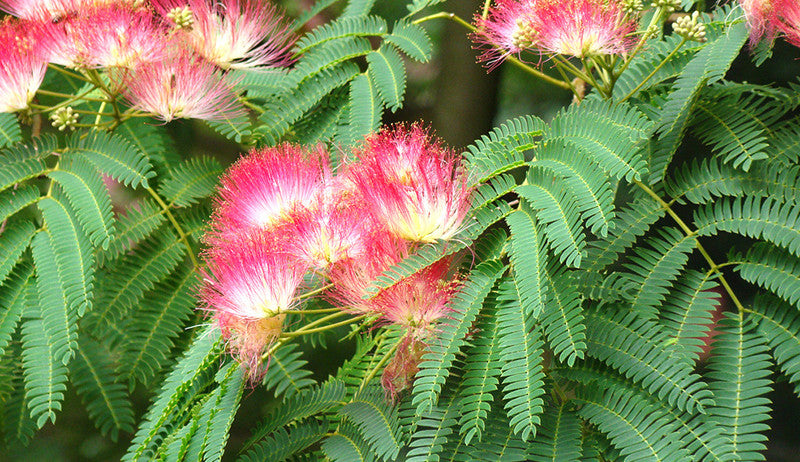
166, 57
577, 28
769, 18
284, 221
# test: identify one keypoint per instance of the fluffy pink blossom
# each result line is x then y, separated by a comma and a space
248, 285
181, 86
582, 28
50, 10
106, 36
505, 31
265, 186
762, 18
417, 302
235, 34
414, 186
352, 277
399, 373
22, 68
333, 228
790, 25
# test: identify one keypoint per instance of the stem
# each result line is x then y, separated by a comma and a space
516, 62
380, 364
306, 330
67, 73
657, 68
72, 97
315, 292
689, 232
315, 311
250, 105
486, 6
181, 234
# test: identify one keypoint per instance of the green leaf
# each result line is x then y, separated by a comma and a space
637, 428
45, 371
613, 135
22, 161
411, 39
181, 385
593, 193
14, 200
766, 219
58, 318
701, 181
739, 370
285, 372
655, 267
440, 354
528, 260
735, 128
139, 221
521, 356
503, 148
773, 269
153, 328
14, 239
376, 421
559, 437
12, 301
636, 347
481, 373
366, 107
557, 210
89, 198
688, 309
387, 71
433, 429
237, 128
285, 442
106, 400
10, 132
191, 181
353, 26
73, 253
114, 156
779, 326
709, 65
562, 318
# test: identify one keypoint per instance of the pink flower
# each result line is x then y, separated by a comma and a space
505, 31
237, 34
181, 86
248, 285
106, 36
417, 302
582, 28
22, 68
332, 229
762, 18
48, 10
265, 186
399, 373
790, 26
415, 187
352, 277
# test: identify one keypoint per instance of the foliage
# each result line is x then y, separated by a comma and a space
586, 297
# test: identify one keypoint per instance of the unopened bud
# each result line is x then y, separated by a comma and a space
523, 37
632, 6
690, 27
667, 5
63, 118
182, 17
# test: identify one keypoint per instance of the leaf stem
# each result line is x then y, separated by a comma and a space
306, 330
657, 68
380, 364
516, 62
181, 234
690, 232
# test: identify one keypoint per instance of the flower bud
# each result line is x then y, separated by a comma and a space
63, 118
690, 27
